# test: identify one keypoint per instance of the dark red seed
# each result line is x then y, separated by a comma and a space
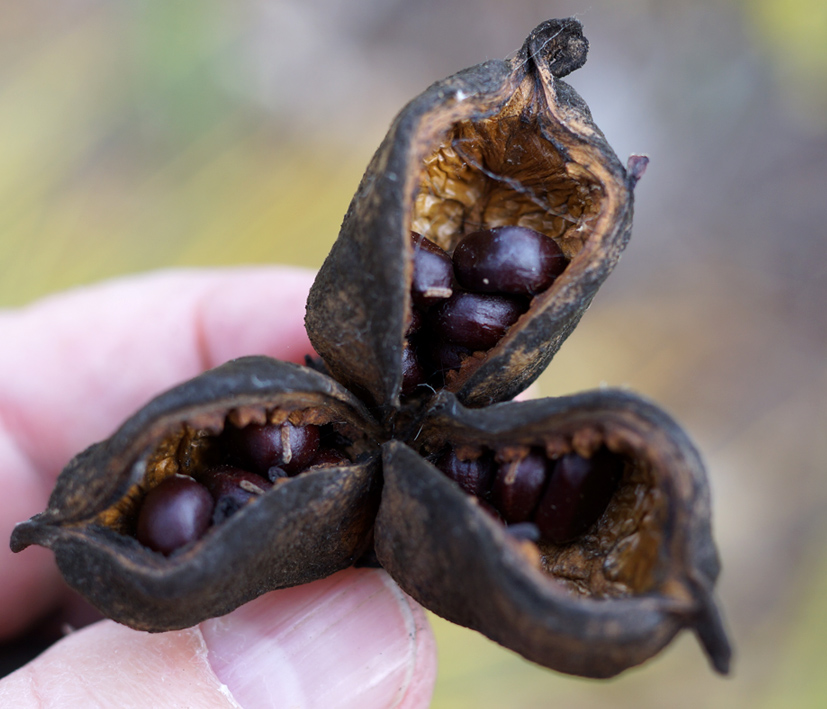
174, 513
473, 476
578, 492
518, 486
433, 272
476, 320
261, 447
412, 373
329, 458
509, 259
231, 488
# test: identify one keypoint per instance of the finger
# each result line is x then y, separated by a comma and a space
73, 366
30, 582
352, 640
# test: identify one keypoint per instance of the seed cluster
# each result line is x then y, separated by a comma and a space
561, 497
241, 464
466, 302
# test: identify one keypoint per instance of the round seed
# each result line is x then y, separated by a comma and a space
476, 320
289, 447
578, 492
518, 486
473, 476
231, 488
508, 259
174, 513
433, 272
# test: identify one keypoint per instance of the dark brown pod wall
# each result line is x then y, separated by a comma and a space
302, 528
594, 606
575, 531
504, 143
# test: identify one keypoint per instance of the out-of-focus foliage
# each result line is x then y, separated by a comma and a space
124, 146
794, 32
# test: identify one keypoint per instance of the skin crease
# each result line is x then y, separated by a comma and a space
74, 366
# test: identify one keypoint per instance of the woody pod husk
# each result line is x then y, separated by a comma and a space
502, 143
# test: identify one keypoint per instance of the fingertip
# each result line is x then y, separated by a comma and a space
420, 687
31, 586
107, 664
351, 640
118, 344
256, 311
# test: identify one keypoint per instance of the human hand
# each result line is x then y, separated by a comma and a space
72, 367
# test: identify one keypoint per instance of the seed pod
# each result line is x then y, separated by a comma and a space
304, 528
505, 143
592, 589
608, 600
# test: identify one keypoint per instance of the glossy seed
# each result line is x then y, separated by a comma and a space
174, 513
518, 486
474, 476
433, 272
231, 488
289, 447
578, 492
476, 320
509, 259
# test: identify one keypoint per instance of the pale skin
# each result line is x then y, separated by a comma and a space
72, 368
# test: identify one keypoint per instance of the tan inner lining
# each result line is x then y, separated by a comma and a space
502, 171
192, 447
620, 554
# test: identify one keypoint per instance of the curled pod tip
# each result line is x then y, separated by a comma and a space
287, 532
500, 144
608, 600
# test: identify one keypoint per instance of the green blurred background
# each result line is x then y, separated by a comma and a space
158, 134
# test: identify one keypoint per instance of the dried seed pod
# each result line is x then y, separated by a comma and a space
592, 590
501, 144
304, 528
604, 602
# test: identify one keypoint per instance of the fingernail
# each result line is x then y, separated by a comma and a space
351, 640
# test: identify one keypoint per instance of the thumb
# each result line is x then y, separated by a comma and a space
351, 640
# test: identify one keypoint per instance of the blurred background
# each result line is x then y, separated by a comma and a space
156, 134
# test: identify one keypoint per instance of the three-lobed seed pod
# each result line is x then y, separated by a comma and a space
501, 144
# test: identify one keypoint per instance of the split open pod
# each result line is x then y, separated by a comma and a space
502, 144
574, 531
225, 537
